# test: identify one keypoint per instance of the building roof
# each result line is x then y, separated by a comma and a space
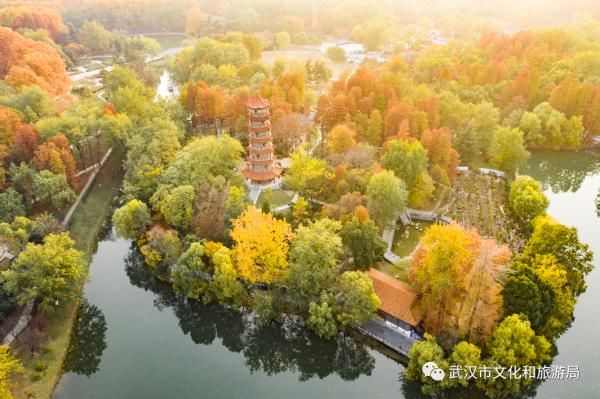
261, 176
257, 102
397, 298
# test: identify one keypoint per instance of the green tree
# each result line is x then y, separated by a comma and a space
508, 150
356, 301
422, 190
336, 54
308, 176
268, 307
314, 259
131, 219
48, 186
225, 286
300, 212
321, 317
362, 238
552, 273
552, 238
176, 206
515, 344
11, 205
387, 198
33, 103
93, 35
190, 276
531, 125
527, 199
424, 351
22, 177
465, 355
135, 48
407, 159
525, 293
154, 147
282, 40
51, 271
374, 131
204, 159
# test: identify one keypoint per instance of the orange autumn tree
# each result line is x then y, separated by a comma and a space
10, 122
443, 158
26, 62
261, 246
457, 274
205, 104
26, 141
56, 156
34, 18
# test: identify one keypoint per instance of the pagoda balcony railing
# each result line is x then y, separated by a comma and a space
261, 161
255, 124
256, 117
259, 140
259, 129
260, 169
260, 151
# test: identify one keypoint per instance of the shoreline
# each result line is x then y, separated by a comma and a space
41, 384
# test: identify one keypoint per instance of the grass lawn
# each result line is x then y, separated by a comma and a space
43, 369
277, 198
399, 271
50, 335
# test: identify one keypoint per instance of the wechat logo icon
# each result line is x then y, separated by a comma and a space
431, 369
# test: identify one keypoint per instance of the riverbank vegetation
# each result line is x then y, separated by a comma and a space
51, 144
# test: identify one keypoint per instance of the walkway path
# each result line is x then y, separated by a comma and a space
378, 330
85, 189
254, 194
21, 324
406, 218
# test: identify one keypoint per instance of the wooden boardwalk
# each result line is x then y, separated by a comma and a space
390, 337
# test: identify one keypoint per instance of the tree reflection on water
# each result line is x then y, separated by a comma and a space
88, 341
273, 349
561, 171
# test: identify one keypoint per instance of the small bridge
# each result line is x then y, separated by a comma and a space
596, 140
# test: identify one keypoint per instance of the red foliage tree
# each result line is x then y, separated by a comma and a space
26, 141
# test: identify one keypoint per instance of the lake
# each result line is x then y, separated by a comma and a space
135, 339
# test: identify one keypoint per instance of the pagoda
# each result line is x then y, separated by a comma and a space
261, 166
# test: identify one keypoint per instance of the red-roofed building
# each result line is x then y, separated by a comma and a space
262, 168
397, 301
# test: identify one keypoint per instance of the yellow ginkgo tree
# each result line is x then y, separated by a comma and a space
261, 246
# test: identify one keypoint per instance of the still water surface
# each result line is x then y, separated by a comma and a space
137, 340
